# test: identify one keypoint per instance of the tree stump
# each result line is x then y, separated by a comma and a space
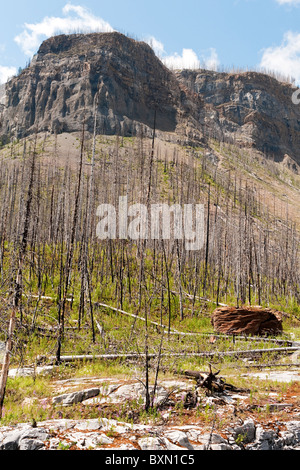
251, 321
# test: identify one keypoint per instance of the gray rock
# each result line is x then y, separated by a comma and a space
150, 443
288, 438
193, 433
122, 447
88, 425
93, 434
31, 444
278, 376
294, 428
108, 389
251, 108
30, 371
278, 444
117, 427
170, 445
136, 391
58, 425
200, 447
75, 397
128, 75
90, 440
264, 434
246, 432
213, 439
179, 437
220, 447
35, 433
25, 439
264, 445
11, 441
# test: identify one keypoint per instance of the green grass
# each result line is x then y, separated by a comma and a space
122, 333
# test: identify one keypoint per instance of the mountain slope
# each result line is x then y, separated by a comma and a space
129, 86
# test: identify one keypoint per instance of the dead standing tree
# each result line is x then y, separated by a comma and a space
70, 253
18, 281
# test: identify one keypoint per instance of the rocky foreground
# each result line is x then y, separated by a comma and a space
109, 434
174, 432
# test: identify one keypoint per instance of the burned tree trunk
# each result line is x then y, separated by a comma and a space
6, 361
212, 383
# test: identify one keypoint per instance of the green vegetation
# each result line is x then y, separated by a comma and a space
57, 276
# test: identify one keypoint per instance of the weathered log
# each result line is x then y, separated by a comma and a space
247, 320
248, 353
173, 331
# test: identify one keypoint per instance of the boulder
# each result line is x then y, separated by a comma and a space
245, 431
26, 438
180, 438
75, 397
150, 443
253, 321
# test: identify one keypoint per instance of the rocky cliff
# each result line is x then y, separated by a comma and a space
128, 84
70, 74
251, 109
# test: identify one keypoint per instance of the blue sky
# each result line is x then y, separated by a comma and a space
191, 33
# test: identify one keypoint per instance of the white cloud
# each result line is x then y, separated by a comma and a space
190, 60
212, 61
156, 45
76, 19
6, 73
80, 19
288, 2
187, 60
284, 59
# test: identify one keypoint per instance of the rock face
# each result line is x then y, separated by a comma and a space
251, 109
249, 321
57, 93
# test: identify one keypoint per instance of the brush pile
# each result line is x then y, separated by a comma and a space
254, 321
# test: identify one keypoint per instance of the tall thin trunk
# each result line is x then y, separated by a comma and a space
6, 360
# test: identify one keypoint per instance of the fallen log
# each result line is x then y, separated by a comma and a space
272, 366
172, 331
248, 353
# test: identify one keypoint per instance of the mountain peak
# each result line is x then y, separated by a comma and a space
85, 42
70, 73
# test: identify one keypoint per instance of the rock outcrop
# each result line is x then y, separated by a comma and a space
94, 434
70, 74
251, 109
250, 430
128, 83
